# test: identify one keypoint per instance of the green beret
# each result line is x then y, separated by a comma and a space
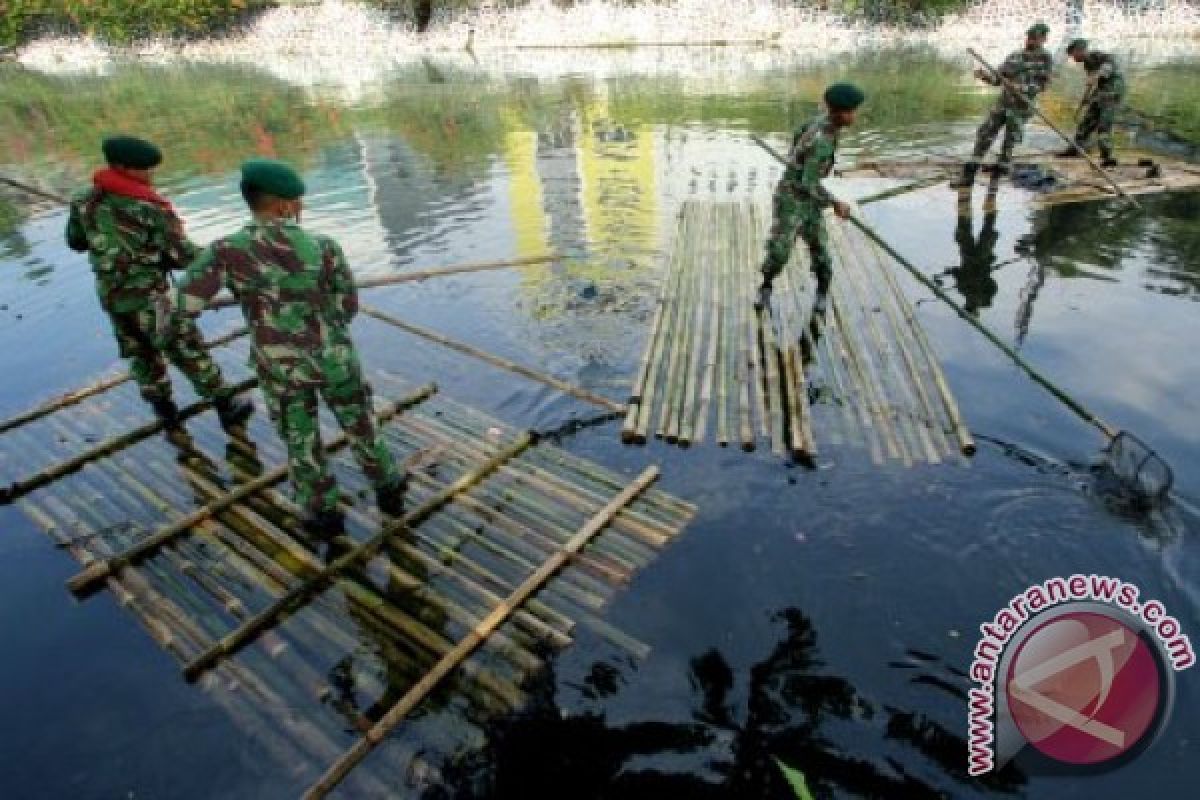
271, 177
1038, 29
130, 151
1077, 44
844, 97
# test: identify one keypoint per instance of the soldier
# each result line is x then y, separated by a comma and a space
800, 198
298, 296
134, 239
1105, 91
1029, 71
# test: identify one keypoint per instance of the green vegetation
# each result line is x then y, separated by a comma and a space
212, 116
121, 21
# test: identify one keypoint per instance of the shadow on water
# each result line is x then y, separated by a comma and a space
791, 708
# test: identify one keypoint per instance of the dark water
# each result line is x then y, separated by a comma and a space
824, 617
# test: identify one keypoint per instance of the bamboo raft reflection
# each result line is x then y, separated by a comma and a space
320, 651
865, 370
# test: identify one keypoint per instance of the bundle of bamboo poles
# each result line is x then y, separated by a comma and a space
192, 534
710, 359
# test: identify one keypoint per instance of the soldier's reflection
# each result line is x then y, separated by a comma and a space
977, 254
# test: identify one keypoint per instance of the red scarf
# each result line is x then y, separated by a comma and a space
113, 182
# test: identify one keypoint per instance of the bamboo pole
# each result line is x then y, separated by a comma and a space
743, 373
712, 359
668, 421
701, 323
643, 372
966, 441
53, 197
342, 767
81, 581
654, 376
627, 529
872, 358
496, 361
754, 346
894, 310
56, 471
881, 420
252, 628
901, 395
77, 395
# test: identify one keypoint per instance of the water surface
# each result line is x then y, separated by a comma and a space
822, 616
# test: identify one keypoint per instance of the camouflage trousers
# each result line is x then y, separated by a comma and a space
794, 216
1098, 120
1011, 121
185, 349
294, 412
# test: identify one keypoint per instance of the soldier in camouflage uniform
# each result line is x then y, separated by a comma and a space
134, 239
298, 296
800, 198
1105, 91
1029, 71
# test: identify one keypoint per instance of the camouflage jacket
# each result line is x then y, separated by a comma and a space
1029, 71
810, 159
131, 245
296, 292
1102, 71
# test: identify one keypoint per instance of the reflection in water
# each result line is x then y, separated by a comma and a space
977, 255
794, 709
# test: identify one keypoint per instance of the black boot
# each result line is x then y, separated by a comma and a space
232, 411
391, 497
1106, 157
1070, 152
967, 178
166, 410
763, 299
325, 524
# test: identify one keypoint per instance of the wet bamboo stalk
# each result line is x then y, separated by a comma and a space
487, 539
879, 421
711, 360
630, 530
803, 443
893, 382
830, 367
770, 361
342, 767
496, 361
81, 581
874, 359
892, 304
679, 511
705, 271
742, 373
252, 628
668, 422
966, 441
369, 602
656, 377
761, 386
871, 436
53, 473
78, 395
643, 373
359, 594
154, 610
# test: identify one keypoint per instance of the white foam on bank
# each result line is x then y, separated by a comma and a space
351, 48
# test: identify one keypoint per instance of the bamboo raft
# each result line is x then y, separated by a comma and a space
507, 545
1074, 180
711, 362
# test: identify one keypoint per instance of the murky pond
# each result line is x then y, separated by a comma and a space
824, 617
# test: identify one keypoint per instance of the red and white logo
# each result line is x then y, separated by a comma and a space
1084, 688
